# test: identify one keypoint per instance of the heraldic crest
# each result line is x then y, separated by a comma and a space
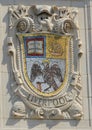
42, 43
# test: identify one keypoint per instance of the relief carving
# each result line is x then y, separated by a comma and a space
47, 80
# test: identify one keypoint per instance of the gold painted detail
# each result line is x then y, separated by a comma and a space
56, 47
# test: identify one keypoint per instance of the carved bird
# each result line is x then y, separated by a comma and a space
48, 73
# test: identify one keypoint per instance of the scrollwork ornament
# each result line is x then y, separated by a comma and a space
46, 82
24, 25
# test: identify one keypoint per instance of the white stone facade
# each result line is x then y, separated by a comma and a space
6, 75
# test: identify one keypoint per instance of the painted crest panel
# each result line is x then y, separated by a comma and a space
45, 61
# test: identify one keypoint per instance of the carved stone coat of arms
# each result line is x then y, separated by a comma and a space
45, 50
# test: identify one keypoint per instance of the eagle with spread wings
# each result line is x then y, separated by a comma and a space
49, 73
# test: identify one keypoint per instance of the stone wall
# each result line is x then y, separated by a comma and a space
6, 74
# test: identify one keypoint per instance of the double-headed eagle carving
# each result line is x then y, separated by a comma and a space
48, 73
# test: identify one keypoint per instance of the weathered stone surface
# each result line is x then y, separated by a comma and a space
10, 104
